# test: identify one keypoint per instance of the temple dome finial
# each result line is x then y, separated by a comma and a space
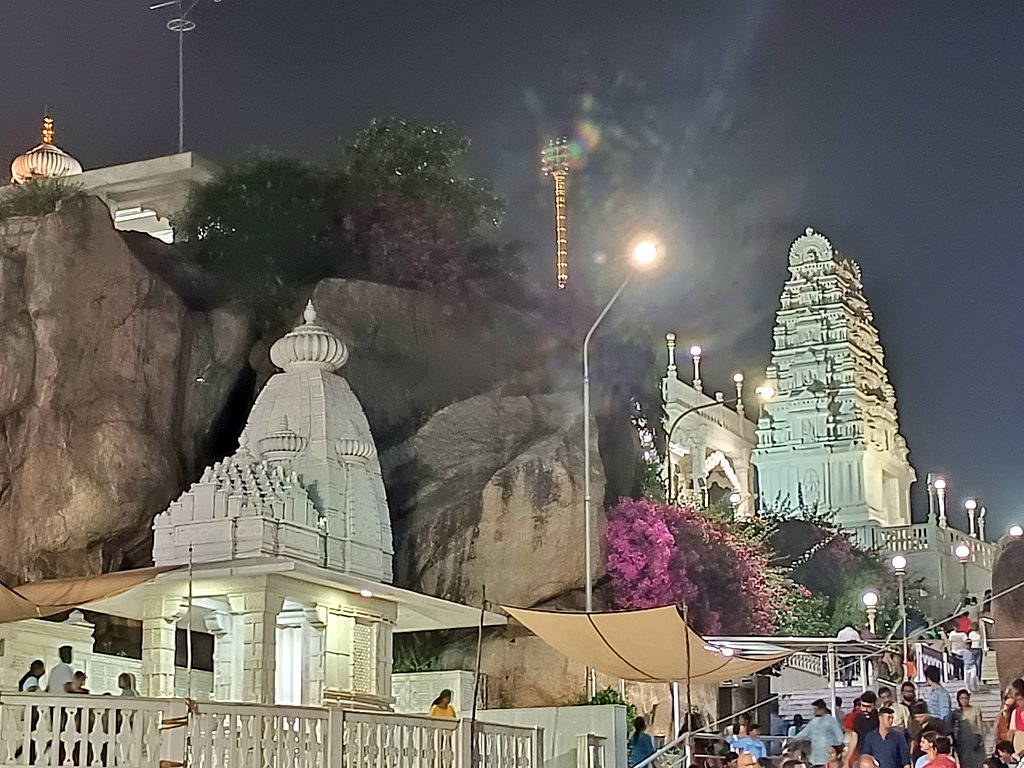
309, 346
46, 161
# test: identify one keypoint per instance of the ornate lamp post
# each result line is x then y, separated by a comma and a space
940, 492
870, 600
971, 505
645, 253
899, 565
963, 554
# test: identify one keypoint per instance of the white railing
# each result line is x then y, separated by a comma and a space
80, 730
505, 746
112, 732
246, 735
807, 662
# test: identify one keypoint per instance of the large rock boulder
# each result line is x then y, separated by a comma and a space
1008, 610
489, 493
101, 403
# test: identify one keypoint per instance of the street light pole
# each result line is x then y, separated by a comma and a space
644, 253
899, 565
963, 554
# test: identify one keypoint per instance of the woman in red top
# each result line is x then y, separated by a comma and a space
936, 750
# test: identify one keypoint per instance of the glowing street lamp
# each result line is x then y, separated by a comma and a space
1016, 531
645, 253
971, 505
870, 600
899, 566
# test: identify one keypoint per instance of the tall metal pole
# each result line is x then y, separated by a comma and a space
903, 616
587, 553
181, 82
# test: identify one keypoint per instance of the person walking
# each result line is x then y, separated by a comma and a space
640, 745
442, 705
822, 731
940, 704
968, 732
900, 711
864, 723
886, 744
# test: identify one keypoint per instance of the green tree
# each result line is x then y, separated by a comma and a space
263, 227
35, 198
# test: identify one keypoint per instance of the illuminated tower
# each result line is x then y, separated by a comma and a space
830, 438
555, 163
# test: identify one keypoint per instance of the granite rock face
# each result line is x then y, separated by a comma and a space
489, 493
100, 404
1008, 610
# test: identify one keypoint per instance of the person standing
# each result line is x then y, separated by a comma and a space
887, 745
640, 745
921, 722
61, 675
968, 732
30, 681
823, 732
847, 664
1004, 716
126, 682
940, 704
977, 648
956, 645
442, 705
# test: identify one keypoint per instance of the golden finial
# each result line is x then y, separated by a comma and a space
47, 130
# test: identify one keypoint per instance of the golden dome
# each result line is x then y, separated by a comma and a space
47, 161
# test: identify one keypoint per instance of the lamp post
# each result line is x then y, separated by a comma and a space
963, 554
940, 493
971, 505
765, 392
645, 253
899, 565
870, 600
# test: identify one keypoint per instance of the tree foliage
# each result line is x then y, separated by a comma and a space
396, 209
36, 197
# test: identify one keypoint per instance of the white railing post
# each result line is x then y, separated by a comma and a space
176, 725
336, 739
464, 757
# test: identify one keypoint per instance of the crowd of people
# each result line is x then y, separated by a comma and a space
63, 679
915, 729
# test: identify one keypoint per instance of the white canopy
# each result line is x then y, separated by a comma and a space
648, 646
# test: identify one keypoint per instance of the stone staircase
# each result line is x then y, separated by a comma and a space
986, 697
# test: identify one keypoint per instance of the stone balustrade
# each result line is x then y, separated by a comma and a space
106, 731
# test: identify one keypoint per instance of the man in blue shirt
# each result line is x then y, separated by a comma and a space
823, 731
939, 702
886, 745
751, 743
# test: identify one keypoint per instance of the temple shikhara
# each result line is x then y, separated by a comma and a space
830, 438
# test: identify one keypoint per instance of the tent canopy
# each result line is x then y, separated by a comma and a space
648, 646
39, 599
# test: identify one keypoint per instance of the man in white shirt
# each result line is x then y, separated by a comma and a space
59, 679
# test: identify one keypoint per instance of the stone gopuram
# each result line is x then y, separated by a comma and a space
830, 438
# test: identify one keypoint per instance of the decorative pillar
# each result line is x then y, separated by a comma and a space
160, 615
227, 655
695, 353
314, 631
257, 611
670, 342
738, 381
981, 524
940, 493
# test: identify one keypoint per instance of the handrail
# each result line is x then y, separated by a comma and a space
685, 736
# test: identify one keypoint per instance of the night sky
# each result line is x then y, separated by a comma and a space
893, 128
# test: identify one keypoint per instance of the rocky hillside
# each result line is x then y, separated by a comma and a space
112, 371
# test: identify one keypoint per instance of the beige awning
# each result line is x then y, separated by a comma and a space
648, 646
39, 599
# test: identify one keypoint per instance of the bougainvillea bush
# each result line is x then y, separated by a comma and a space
662, 555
